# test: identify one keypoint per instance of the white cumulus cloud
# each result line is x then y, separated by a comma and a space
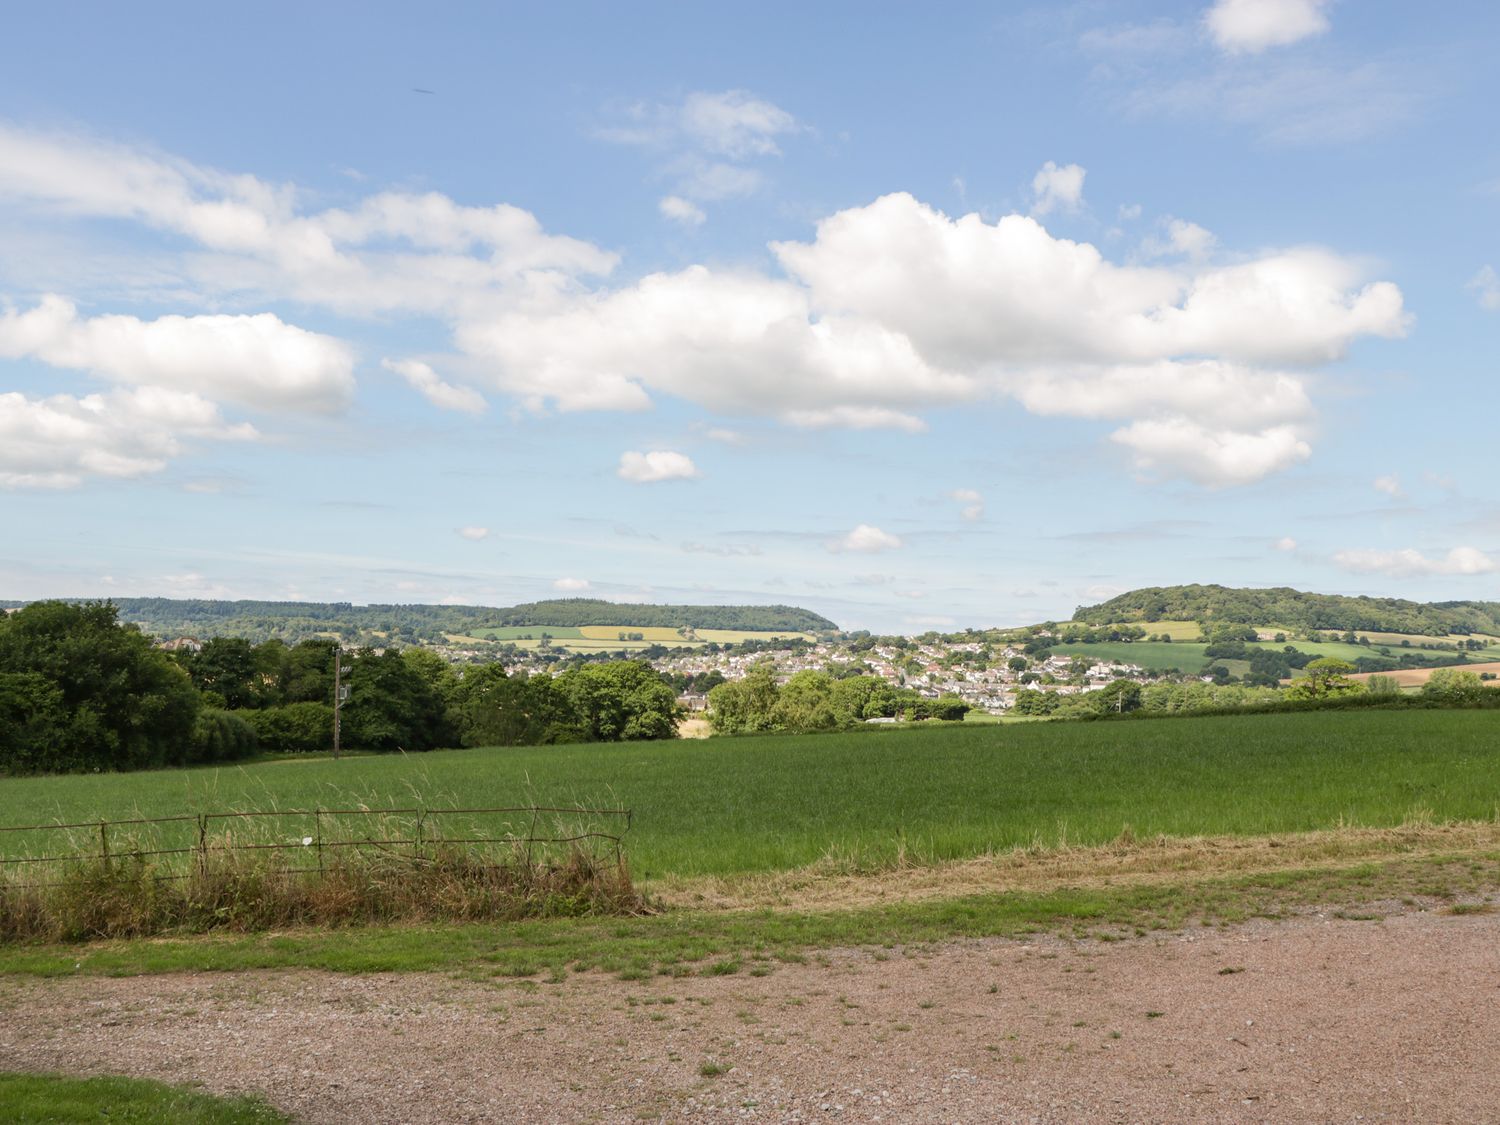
1285, 543
441, 394
683, 211
1252, 26
1410, 563
63, 441
256, 361
571, 585
474, 534
1055, 187
657, 465
1390, 485
865, 539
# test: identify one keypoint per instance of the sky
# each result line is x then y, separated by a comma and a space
959, 317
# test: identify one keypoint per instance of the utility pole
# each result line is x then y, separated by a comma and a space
338, 695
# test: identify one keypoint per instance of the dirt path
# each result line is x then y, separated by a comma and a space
1313, 1020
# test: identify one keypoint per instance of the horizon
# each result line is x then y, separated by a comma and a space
908, 322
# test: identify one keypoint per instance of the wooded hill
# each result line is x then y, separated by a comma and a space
258, 621
1293, 609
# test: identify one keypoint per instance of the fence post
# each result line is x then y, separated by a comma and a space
318, 835
203, 843
104, 843
417, 844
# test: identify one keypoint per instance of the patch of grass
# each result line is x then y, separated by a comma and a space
675, 942
31, 1099
926, 793
1461, 908
711, 1068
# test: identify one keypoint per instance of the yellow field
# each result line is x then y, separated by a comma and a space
737, 636
1416, 677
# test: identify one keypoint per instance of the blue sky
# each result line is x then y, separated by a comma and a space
959, 318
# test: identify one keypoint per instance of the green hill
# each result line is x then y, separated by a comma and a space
293, 621
593, 611
1293, 609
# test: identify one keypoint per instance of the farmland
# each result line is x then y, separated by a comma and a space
620, 638
929, 794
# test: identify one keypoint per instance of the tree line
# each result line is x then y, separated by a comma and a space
79, 690
813, 701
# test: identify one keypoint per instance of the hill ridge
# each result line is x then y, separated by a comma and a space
1296, 609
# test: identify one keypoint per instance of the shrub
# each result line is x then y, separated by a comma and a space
222, 736
297, 728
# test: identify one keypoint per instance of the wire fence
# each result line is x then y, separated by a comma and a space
175, 844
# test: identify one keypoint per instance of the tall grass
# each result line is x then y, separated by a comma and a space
244, 880
758, 804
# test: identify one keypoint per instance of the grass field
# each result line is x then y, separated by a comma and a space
1154, 656
606, 638
767, 804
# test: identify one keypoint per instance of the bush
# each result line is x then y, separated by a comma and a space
297, 728
222, 736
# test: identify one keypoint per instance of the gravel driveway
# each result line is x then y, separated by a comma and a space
1317, 1019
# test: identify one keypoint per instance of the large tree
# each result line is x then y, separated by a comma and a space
82, 691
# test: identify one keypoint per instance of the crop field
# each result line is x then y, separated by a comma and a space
529, 632
1154, 656
738, 636
606, 638
1416, 677
772, 803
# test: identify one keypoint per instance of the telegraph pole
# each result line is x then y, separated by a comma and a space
338, 695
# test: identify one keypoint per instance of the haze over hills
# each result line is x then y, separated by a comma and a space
292, 621
1209, 604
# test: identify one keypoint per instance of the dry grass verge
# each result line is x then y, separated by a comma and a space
840, 882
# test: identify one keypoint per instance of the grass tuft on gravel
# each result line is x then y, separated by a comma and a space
54, 1099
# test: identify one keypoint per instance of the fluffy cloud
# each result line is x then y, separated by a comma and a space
893, 308
394, 251
865, 539
62, 441
1413, 564
1285, 543
657, 465
1215, 458
571, 585
474, 534
443, 395
682, 211
972, 501
256, 361
1390, 485
1056, 187
1252, 26
1485, 285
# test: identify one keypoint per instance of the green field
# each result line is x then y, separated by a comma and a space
1154, 656
763, 804
606, 638
534, 632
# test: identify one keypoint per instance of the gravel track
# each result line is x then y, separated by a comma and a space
1316, 1019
